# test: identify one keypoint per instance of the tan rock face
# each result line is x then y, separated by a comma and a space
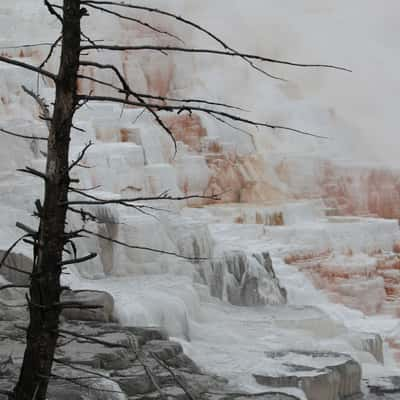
242, 179
370, 284
187, 129
347, 189
396, 248
360, 191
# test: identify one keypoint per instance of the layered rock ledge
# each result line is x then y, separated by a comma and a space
98, 359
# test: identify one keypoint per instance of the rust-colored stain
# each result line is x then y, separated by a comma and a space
331, 280
187, 129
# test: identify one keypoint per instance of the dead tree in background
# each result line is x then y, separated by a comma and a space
50, 240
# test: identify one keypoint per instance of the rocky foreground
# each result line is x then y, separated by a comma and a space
99, 359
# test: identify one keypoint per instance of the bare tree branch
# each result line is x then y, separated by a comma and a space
8, 305
128, 92
85, 215
181, 20
11, 248
44, 107
137, 207
81, 155
149, 373
23, 46
174, 376
80, 369
78, 305
76, 382
190, 109
12, 286
160, 98
92, 339
138, 21
52, 11
209, 51
150, 249
7, 132
11, 268
34, 172
51, 51
78, 260
29, 67
92, 42
251, 136
162, 196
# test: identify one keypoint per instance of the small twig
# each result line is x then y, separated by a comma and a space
80, 369
204, 110
80, 156
23, 46
210, 51
84, 214
184, 21
138, 21
78, 260
52, 11
12, 286
31, 232
127, 90
15, 269
176, 378
75, 381
150, 249
51, 51
252, 395
7, 132
149, 373
137, 207
11, 248
42, 105
93, 340
160, 98
12, 305
88, 189
237, 129
79, 306
34, 172
162, 196
29, 67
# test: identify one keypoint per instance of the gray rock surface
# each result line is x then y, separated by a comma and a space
96, 298
321, 375
122, 363
373, 344
141, 363
19, 261
234, 273
261, 396
385, 388
12, 303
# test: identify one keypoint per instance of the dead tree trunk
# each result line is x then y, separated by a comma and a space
45, 288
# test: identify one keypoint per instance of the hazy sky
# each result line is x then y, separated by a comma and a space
360, 34
358, 110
